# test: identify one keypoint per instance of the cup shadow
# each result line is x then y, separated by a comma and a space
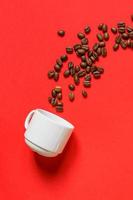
56, 165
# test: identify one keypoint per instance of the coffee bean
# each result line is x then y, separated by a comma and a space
100, 26
71, 96
57, 68
96, 74
129, 29
59, 96
95, 55
76, 79
66, 73
51, 74
87, 83
131, 45
101, 44
84, 41
88, 69
114, 30
49, 99
61, 33
87, 29
100, 69
56, 76
132, 17
69, 50
93, 68
80, 35
104, 52
72, 71
93, 59
104, 28
85, 47
71, 87
89, 61
87, 77
115, 47
53, 102
90, 53
83, 65
59, 108
121, 24
106, 36
95, 46
83, 58
84, 93
77, 46
99, 37
59, 62
99, 51
118, 39
131, 35
53, 93
121, 30
70, 65
81, 73
125, 36
77, 68
81, 52
64, 58
58, 89
129, 42
123, 44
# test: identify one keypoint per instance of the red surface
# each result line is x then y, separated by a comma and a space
98, 161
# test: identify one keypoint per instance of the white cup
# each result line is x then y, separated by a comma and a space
46, 133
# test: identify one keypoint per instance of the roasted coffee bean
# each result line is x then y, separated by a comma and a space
121, 30
85, 47
99, 37
66, 73
83, 65
115, 47
121, 24
88, 69
101, 44
71, 96
104, 28
81, 73
77, 68
131, 45
71, 87
96, 74
51, 74
123, 44
87, 77
118, 39
70, 65
87, 29
86, 83
131, 35
129, 29
106, 36
132, 17
89, 61
58, 89
99, 51
56, 76
69, 50
59, 62
81, 52
57, 68
95, 46
80, 35
114, 30
61, 33
83, 58
100, 69
95, 55
77, 46
49, 99
53, 93
104, 52
76, 79
84, 93
64, 58
72, 71
59, 96
100, 26
93, 59
90, 53
53, 102
125, 36
84, 41
129, 42
59, 108
93, 68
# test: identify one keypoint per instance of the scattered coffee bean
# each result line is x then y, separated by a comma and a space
84, 93
95, 46
93, 59
83, 65
81, 52
114, 30
101, 44
84, 41
77, 46
71, 87
121, 24
76, 79
77, 68
99, 51
57, 68
51, 74
85, 47
121, 30
100, 69
88, 69
129, 42
87, 77
86, 83
59, 96
100, 26
93, 68
106, 36
59, 62
71, 96
81, 73
53, 93
69, 50
104, 52
80, 35
89, 61
70, 65
129, 29
115, 47
90, 53
83, 58
104, 28
64, 58
72, 71
53, 102
56, 76
96, 74
61, 33
95, 55
125, 36
100, 37
131, 35
87, 29
59, 108
49, 99
58, 89
66, 73
118, 39
123, 44
131, 45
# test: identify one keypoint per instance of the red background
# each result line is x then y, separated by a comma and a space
98, 161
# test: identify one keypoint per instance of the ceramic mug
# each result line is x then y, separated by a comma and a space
46, 133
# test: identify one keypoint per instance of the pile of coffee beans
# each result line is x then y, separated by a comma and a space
88, 57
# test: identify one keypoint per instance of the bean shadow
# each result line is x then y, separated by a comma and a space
52, 167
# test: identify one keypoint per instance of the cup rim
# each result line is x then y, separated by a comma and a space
59, 120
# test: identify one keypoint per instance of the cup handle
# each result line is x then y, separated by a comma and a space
28, 118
